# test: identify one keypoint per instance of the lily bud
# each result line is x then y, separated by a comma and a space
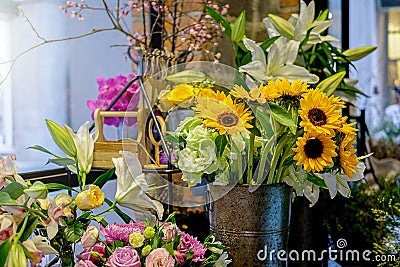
282, 26
239, 28
62, 138
37, 191
357, 53
16, 257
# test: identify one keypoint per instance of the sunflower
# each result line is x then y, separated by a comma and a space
254, 94
284, 88
347, 155
224, 115
347, 128
319, 113
210, 93
314, 151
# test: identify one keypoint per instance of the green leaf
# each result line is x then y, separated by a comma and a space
329, 85
4, 251
264, 120
14, 190
316, 180
188, 76
30, 227
221, 142
267, 43
282, 26
239, 27
169, 247
74, 232
57, 186
281, 116
61, 161
42, 149
6, 200
102, 179
219, 19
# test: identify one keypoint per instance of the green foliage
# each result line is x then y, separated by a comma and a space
371, 218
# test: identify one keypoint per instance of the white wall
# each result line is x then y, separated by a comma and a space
55, 80
367, 29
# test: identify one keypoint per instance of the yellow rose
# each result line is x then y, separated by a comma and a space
181, 93
136, 239
90, 199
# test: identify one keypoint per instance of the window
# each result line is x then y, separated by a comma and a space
5, 87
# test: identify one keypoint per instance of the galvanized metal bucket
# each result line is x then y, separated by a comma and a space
254, 225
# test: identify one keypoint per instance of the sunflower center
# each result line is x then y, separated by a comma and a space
317, 117
313, 148
228, 119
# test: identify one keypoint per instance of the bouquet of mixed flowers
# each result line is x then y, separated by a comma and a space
142, 244
35, 222
277, 119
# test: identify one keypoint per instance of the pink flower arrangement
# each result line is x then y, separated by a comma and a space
114, 232
109, 89
139, 244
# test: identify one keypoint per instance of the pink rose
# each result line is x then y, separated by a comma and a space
160, 258
85, 263
100, 250
124, 257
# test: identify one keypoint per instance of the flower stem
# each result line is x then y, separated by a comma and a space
250, 159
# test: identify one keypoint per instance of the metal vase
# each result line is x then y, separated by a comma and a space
255, 226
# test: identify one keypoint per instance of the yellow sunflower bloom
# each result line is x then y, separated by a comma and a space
254, 95
314, 151
347, 128
225, 116
210, 93
270, 91
319, 113
347, 155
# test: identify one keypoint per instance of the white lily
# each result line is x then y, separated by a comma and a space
279, 64
84, 145
339, 182
132, 186
298, 24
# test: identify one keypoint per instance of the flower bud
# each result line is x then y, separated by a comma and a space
90, 199
149, 232
146, 250
16, 256
89, 238
37, 191
136, 239
63, 199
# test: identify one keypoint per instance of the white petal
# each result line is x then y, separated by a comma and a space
256, 50
293, 72
256, 69
330, 181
